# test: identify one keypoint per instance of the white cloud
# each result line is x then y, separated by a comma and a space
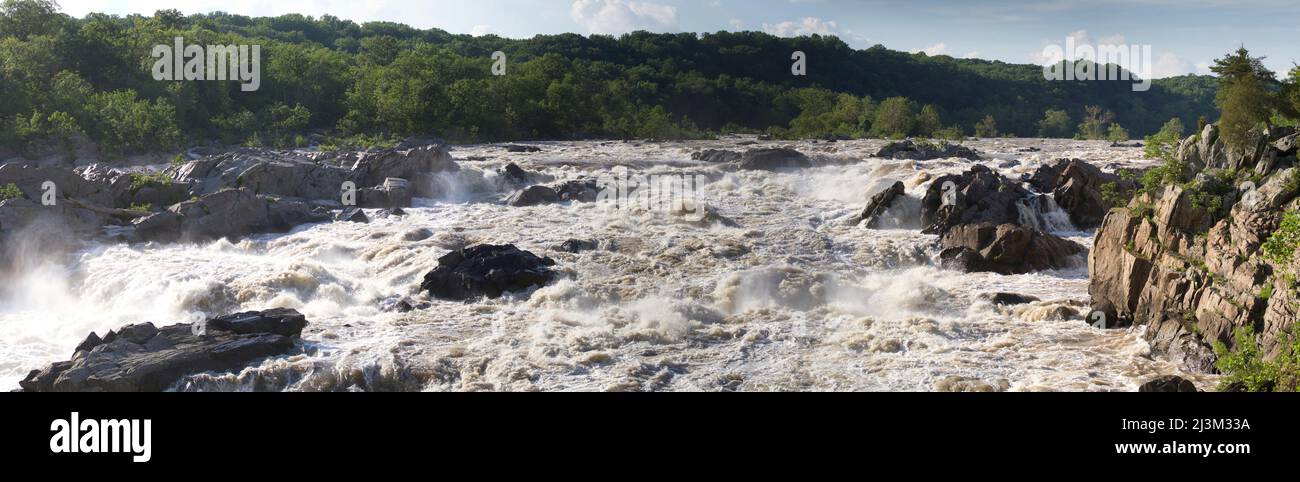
613, 17
936, 49
481, 30
736, 24
807, 26
1170, 65
971, 55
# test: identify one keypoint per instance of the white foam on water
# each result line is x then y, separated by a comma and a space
790, 297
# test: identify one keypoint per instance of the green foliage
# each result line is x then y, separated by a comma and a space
1055, 123
383, 80
143, 208
1117, 133
1243, 97
140, 180
951, 133
1162, 145
987, 127
10, 191
928, 122
1094, 123
1244, 366
1281, 245
1112, 195
894, 118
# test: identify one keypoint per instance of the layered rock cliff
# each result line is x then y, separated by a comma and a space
1192, 258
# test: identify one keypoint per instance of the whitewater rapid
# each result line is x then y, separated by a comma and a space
786, 296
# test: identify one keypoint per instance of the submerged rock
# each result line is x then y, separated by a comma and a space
773, 159
521, 148
716, 156
144, 358
577, 245
533, 196
487, 270
1008, 299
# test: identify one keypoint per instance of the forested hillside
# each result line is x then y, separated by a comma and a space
66, 79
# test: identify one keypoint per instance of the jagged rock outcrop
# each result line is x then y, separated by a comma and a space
979, 195
144, 358
879, 204
290, 174
487, 270
1194, 271
924, 151
773, 159
1077, 188
1006, 249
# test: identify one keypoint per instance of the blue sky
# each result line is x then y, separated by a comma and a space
1184, 35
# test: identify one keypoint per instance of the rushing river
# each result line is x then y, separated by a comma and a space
787, 296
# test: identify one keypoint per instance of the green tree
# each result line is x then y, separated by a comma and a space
928, 122
1117, 133
1055, 123
894, 118
26, 18
1243, 95
1095, 122
1161, 145
987, 127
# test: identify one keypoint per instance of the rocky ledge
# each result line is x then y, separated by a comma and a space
925, 150
144, 358
1199, 260
231, 194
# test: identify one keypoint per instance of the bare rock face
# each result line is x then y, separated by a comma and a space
144, 358
487, 270
1076, 186
978, 195
1193, 277
1006, 249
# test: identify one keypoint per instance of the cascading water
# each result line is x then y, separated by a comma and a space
787, 297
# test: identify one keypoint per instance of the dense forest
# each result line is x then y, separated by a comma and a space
65, 79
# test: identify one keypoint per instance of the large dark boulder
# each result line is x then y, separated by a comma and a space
879, 204
487, 270
533, 195
924, 151
773, 159
1169, 383
979, 195
144, 358
1006, 249
1076, 186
